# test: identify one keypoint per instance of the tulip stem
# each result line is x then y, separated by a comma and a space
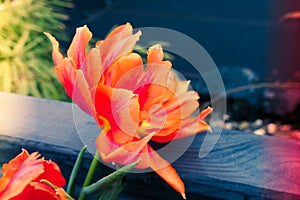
90, 175
71, 184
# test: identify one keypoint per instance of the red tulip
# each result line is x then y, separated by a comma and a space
22, 178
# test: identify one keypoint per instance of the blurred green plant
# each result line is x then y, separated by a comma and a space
25, 65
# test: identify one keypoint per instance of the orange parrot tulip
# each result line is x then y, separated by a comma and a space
22, 178
131, 103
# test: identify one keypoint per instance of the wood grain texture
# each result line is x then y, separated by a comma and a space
240, 166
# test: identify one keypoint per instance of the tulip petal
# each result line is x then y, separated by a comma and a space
110, 151
191, 127
166, 171
66, 74
152, 87
41, 191
179, 106
81, 94
167, 118
57, 56
127, 153
64, 67
204, 113
183, 102
173, 120
155, 54
125, 28
28, 171
92, 70
120, 107
78, 45
8, 170
53, 173
118, 44
126, 69
186, 127
63, 195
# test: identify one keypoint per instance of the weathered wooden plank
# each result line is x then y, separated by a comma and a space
240, 160
40, 120
241, 165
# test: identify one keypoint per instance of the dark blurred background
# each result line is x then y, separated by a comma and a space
247, 40
234, 32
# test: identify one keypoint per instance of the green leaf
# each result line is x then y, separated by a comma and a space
110, 179
54, 187
112, 192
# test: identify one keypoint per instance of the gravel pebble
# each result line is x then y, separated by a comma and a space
243, 125
260, 127
258, 123
260, 131
228, 126
271, 128
285, 128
